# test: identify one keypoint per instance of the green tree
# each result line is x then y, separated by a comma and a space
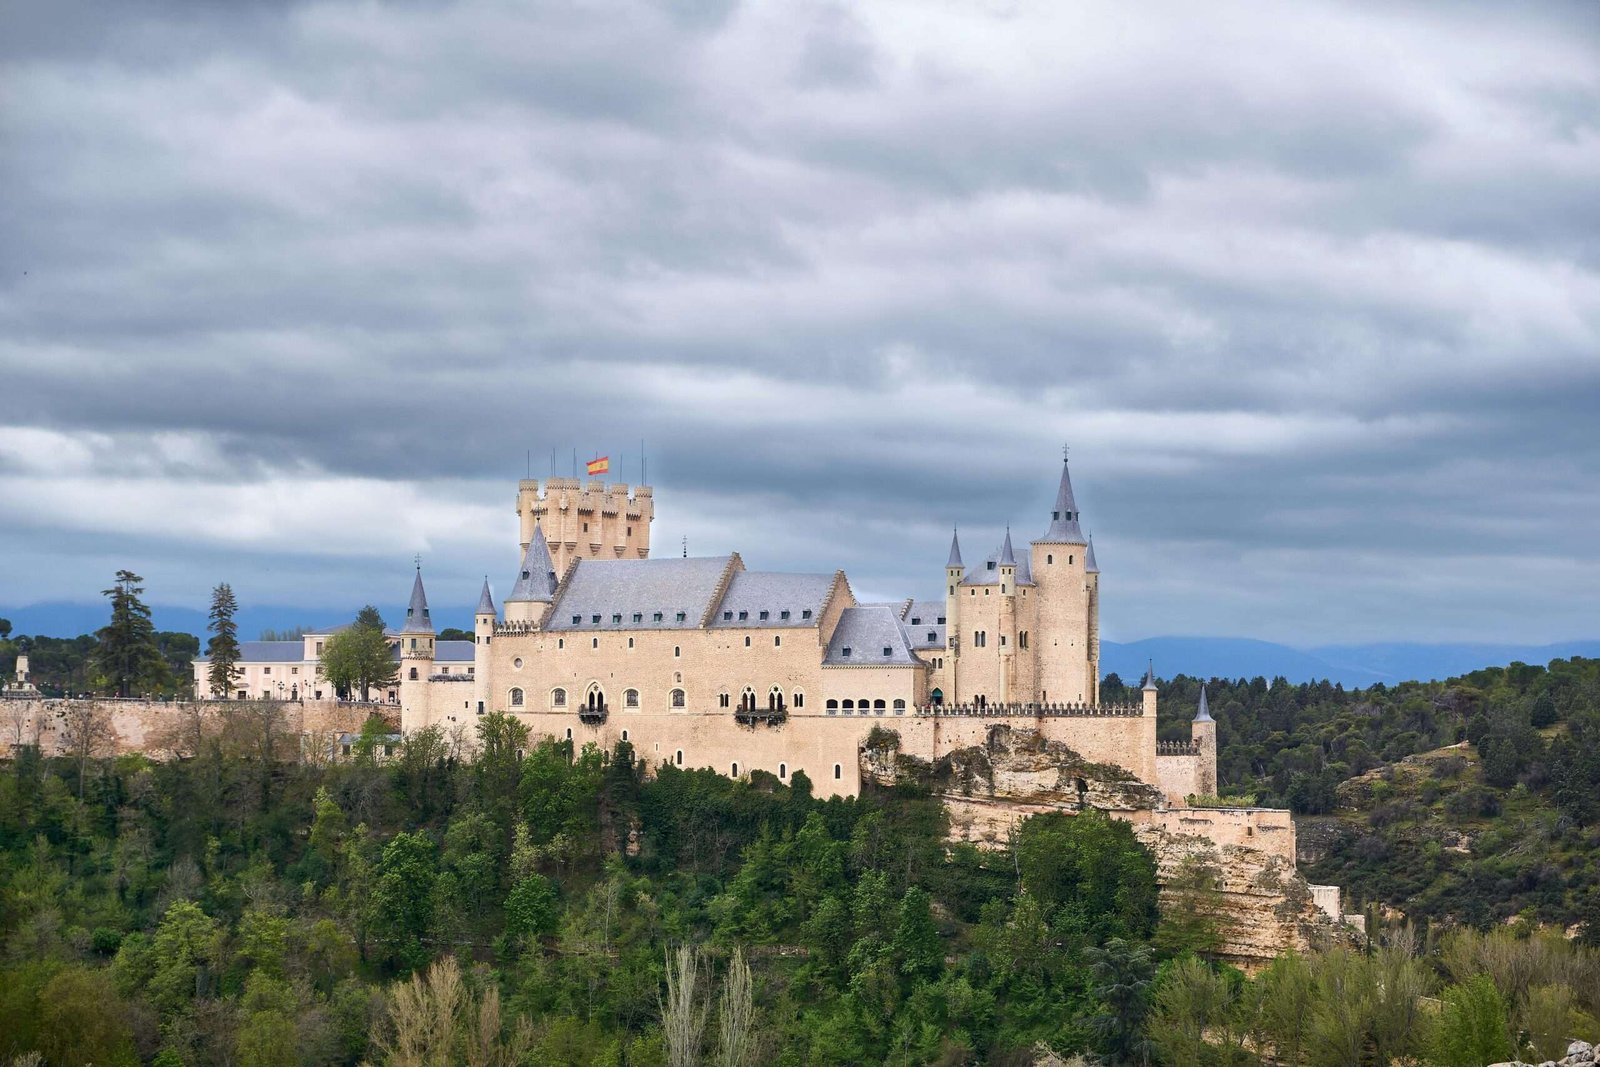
916, 938
1090, 873
359, 658
1473, 1026
532, 909
1543, 712
223, 648
1120, 978
128, 657
401, 902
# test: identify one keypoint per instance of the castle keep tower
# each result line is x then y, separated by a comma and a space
1067, 657
586, 520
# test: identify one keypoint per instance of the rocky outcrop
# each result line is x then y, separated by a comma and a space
1208, 860
1579, 1054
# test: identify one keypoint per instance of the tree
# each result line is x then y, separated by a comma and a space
736, 1014
1543, 713
85, 734
436, 1019
1121, 973
223, 648
359, 658
82, 1020
368, 616
128, 656
451, 633
1473, 1028
683, 1010
5, 629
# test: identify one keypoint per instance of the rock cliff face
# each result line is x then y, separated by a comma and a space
1262, 904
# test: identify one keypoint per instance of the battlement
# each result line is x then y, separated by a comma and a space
589, 519
1177, 748
1031, 711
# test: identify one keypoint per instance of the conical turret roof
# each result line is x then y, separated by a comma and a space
1064, 518
1008, 558
537, 578
1150, 677
1204, 714
417, 620
955, 552
1089, 564
485, 600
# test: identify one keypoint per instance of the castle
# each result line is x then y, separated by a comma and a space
702, 662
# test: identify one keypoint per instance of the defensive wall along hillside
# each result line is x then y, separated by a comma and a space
159, 729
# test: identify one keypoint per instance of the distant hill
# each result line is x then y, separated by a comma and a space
1353, 666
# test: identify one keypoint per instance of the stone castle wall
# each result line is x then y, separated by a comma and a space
161, 729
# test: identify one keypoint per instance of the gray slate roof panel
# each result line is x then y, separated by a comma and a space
616, 590
752, 592
866, 630
924, 617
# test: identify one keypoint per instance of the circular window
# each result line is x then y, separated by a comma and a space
517, 663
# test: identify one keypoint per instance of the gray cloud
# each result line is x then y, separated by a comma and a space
289, 289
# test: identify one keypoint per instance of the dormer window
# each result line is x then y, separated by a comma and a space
595, 619
845, 652
783, 614
806, 614
727, 616
916, 620
991, 564
657, 617
941, 620
887, 651
743, 615
932, 636
524, 575
681, 616
765, 614
638, 616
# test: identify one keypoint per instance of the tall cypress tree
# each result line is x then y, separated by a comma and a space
128, 656
223, 648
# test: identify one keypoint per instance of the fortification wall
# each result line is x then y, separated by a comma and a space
1178, 776
163, 729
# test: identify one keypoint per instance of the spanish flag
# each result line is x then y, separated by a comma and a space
600, 466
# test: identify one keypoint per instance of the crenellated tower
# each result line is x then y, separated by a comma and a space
586, 520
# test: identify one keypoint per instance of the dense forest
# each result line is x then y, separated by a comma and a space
539, 905
1506, 823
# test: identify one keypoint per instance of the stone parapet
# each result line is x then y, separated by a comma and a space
1029, 711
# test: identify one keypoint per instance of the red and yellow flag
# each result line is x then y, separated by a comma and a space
600, 466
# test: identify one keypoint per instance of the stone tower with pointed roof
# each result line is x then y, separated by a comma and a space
535, 587
416, 645
1203, 732
483, 620
1066, 644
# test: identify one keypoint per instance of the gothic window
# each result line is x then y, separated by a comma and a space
516, 697
724, 700
630, 642
594, 642
630, 698
799, 699
558, 698
624, 735
677, 698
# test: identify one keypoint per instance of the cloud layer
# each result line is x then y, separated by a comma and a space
289, 291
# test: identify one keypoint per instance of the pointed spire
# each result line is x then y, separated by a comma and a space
417, 620
954, 562
1064, 519
1150, 678
1008, 558
537, 578
1089, 564
485, 599
1204, 714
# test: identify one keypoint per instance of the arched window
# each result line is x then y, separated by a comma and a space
747, 699
1049, 558
783, 770
849, 706
677, 698
799, 699
832, 707
936, 697
680, 757
569, 733
516, 697
724, 700
878, 707
899, 706
630, 698
596, 699
735, 772
624, 735
838, 772
558, 698
775, 699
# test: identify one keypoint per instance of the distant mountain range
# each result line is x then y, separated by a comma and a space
1226, 657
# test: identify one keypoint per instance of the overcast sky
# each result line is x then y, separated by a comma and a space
288, 292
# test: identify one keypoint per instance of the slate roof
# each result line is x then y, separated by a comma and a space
751, 593
453, 651
1089, 564
266, 652
536, 578
614, 591
1064, 517
924, 623
989, 573
1204, 714
955, 552
1007, 556
485, 600
417, 620
866, 630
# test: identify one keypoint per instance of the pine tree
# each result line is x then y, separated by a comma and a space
223, 648
128, 656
